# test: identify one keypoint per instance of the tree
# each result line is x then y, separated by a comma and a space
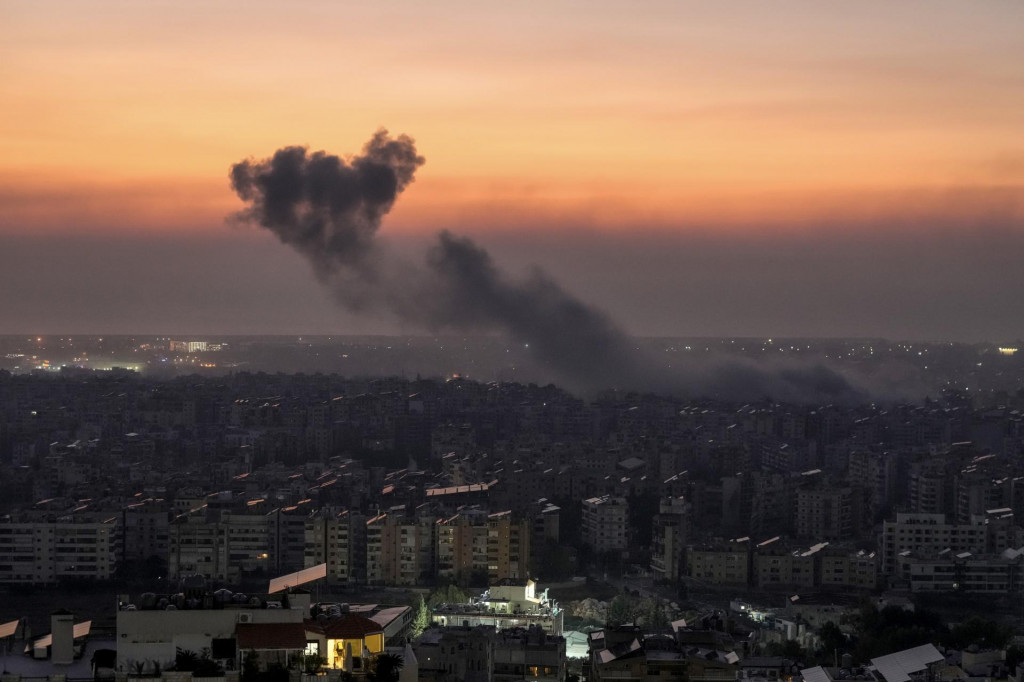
651, 613
385, 668
449, 594
1014, 657
275, 672
250, 667
422, 620
790, 649
185, 660
313, 663
832, 640
202, 665
894, 629
622, 609
985, 633
207, 667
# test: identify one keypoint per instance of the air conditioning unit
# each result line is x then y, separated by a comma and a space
245, 618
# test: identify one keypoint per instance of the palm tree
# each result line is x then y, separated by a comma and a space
385, 668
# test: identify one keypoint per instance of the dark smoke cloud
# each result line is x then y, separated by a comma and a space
329, 209
471, 293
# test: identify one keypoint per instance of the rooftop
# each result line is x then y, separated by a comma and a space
267, 636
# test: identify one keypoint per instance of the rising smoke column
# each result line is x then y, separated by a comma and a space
579, 342
330, 209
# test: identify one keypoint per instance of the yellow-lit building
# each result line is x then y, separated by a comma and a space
348, 642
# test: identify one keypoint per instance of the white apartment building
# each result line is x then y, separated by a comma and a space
928, 534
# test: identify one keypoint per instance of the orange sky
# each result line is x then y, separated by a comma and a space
674, 114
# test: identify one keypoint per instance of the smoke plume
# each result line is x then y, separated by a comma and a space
330, 209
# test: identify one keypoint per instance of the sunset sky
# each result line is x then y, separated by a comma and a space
787, 168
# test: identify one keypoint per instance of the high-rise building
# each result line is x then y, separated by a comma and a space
400, 550
826, 512
146, 530
286, 536
874, 473
476, 542
338, 539
604, 523
670, 532
930, 489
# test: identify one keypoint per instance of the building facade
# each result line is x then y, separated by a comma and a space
605, 523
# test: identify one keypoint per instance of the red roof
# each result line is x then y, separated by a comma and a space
271, 636
351, 626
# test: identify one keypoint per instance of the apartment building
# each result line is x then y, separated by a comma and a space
145, 528
874, 473
721, 564
858, 570
508, 547
826, 512
927, 534
286, 535
219, 545
338, 539
995, 574
400, 549
671, 528
45, 550
605, 523
774, 564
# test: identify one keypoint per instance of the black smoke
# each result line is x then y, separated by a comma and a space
330, 209
327, 208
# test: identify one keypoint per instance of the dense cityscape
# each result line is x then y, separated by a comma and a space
156, 485
455, 341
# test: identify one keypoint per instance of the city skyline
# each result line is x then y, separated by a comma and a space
550, 341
